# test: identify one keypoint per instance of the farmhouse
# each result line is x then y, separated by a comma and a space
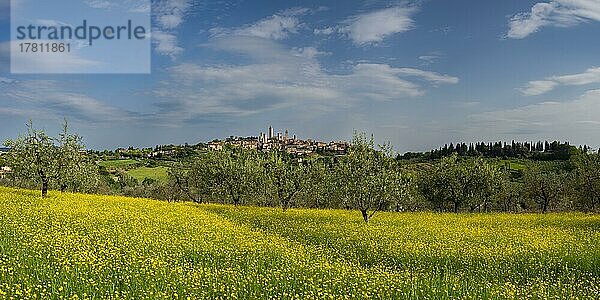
215, 145
4, 171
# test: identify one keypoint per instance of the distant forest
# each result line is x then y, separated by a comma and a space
544, 151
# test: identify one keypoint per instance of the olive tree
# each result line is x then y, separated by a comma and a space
432, 185
287, 178
46, 161
509, 196
544, 185
587, 180
233, 173
446, 182
76, 172
467, 182
366, 177
485, 182
319, 191
196, 180
406, 192
239, 173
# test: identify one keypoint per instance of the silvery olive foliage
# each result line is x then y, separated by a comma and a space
51, 162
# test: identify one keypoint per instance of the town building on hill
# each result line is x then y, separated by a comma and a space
269, 141
4, 171
215, 145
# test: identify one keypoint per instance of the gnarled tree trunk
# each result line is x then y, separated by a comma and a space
365, 215
44, 188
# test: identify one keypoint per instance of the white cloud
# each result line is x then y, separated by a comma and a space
259, 49
591, 75
575, 120
275, 27
166, 43
278, 77
324, 31
309, 52
430, 58
134, 6
51, 99
168, 17
377, 82
538, 87
429, 76
47, 62
375, 26
299, 11
466, 104
556, 13
171, 13
102, 4
169, 21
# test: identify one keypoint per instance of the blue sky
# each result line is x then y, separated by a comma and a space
419, 74
119, 54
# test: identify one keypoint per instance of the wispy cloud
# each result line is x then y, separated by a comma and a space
309, 52
166, 43
466, 104
575, 120
374, 27
135, 6
538, 87
325, 30
168, 15
429, 76
103, 4
45, 63
51, 99
276, 27
279, 77
430, 58
556, 13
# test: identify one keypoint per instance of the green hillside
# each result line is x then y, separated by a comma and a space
141, 173
119, 163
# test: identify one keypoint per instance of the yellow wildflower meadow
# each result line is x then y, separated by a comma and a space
100, 247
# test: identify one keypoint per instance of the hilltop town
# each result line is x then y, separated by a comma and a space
265, 142
282, 141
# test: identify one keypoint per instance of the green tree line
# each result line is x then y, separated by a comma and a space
368, 178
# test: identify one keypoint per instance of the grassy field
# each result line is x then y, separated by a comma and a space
135, 170
115, 247
118, 163
141, 173
514, 164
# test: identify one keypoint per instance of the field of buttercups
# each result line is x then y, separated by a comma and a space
101, 247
